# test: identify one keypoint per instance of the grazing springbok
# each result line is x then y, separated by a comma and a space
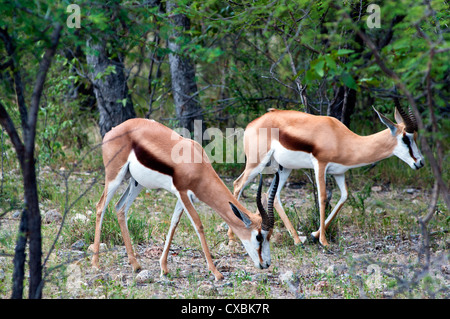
154, 156
299, 140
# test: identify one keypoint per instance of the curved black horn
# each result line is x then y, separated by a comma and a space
408, 118
273, 192
259, 204
413, 120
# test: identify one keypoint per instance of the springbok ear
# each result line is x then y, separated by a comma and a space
242, 216
387, 122
398, 117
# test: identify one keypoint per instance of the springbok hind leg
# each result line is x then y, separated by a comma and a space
107, 195
122, 208
284, 174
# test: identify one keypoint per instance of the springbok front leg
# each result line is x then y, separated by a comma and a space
319, 170
340, 181
196, 222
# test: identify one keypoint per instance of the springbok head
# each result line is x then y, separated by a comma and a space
405, 132
257, 245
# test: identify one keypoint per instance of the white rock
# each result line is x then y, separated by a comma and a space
80, 218
52, 216
144, 277
377, 188
287, 276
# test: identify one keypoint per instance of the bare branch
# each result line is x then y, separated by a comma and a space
7, 123
20, 95
44, 65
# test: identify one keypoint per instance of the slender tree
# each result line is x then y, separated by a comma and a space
30, 225
182, 70
110, 86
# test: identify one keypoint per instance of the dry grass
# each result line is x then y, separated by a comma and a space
374, 248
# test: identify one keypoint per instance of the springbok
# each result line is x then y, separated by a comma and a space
154, 156
299, 140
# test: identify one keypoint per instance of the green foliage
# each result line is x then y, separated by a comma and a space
137, 226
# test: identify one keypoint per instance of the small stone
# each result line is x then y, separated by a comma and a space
16, 214
80, 218
302, 239
376, 188
78, 245
331, 271
445, 269
144, 277
287, 276
52, 216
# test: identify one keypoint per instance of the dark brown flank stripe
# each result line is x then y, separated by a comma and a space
150, 161
295, 144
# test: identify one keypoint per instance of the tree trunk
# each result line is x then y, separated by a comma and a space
184, 87
19, 258
343, 104
30, 225
34, 227
110, 88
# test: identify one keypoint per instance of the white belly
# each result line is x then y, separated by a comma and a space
297, 159
338, 169
149, 178
291, 159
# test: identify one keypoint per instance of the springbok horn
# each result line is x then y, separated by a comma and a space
261, 208
413, 120
273, 192
268, 219
408, 118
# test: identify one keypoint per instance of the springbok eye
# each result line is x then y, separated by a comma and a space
259, 237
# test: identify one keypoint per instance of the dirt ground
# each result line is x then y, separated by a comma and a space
378, 261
